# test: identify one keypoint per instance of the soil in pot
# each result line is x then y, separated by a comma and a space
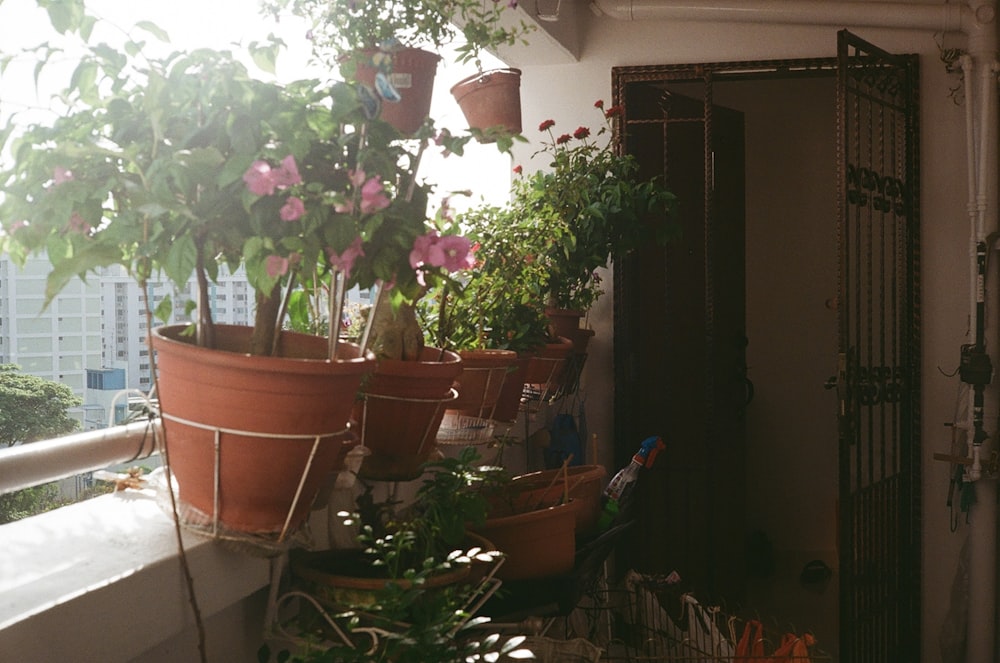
268, 413
400, 411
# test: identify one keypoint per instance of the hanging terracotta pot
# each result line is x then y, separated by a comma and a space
412, 76
491, 99
269, 430
400, 410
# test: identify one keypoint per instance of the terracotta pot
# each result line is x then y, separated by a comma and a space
509, 400
479, 383
413, 72
546, 365
536, 544
344, 578
253, 402
400, 411
585, 484
564, 322
491, 99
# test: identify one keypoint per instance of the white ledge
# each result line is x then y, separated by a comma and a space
101, 581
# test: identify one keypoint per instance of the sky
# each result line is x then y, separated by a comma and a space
220, 24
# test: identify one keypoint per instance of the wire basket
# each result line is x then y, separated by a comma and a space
637, 623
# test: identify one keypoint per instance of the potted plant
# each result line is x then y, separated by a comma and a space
381, 44
498, 303
590, 199
411, 572
185, 165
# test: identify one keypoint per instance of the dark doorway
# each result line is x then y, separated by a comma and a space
726, 313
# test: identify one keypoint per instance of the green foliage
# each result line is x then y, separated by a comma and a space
593, 204
33, 408
348, 26
29, 502
150, 169
500, 302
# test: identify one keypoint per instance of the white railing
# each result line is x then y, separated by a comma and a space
45, 461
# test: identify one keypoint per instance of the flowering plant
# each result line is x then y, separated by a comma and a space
180, 165
348, 26
593, 204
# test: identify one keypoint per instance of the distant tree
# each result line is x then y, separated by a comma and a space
33, 408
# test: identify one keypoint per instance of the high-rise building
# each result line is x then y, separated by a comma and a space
92, 336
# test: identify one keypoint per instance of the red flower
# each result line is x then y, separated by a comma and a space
518, 169
581, 133
614, 110
599, 103
565, 138
546, 125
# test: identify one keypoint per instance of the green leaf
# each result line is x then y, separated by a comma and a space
164, 309
180, 259
154, 29
264, 57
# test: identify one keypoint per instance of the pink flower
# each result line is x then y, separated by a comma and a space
357, 177
293, 209
581, 133
17, 225
453, 252
78, 224
60, 175
276, 266
260, 179
345, 260
372, 196
420, 253
565, 138
518, 169
345, 207
599, 103
288, 174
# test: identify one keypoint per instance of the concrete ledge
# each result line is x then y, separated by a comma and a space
101, 581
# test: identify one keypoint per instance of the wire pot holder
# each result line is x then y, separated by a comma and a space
209, 525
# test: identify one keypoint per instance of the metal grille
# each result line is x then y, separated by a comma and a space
878, 381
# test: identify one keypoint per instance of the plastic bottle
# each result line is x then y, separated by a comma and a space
622, 483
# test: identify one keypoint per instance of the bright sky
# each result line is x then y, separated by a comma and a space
220, 24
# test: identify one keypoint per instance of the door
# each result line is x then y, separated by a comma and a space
878, 379
680, 340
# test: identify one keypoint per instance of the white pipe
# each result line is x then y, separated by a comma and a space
33, 464
946, 17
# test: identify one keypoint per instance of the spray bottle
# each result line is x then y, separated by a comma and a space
624, 481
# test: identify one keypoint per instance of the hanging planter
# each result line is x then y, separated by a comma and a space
491, 99
400, 411
404, 88
251, 439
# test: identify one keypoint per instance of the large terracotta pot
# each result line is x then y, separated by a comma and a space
584, 484
413, 72
565, 323
281, 422
536, 544
491, 99
400, 411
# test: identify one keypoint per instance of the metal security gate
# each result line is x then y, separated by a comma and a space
879, 373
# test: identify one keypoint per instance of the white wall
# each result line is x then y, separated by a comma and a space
566, 94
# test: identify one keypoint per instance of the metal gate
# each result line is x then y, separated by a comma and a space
878, 379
